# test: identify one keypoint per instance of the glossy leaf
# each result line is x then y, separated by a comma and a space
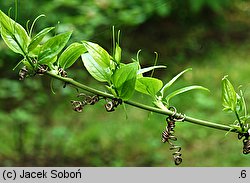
14, 35
71, 54
53, 47
147, 69
124, 80
51, 60
148, 85
166, 86
118, 54
35, 52
242, 103
183, 90
99, 72
229, 96
36, 40
101, 56
27, 64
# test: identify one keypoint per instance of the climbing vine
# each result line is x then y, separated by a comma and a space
51, 58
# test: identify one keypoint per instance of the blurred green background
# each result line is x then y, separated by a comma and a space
38, 128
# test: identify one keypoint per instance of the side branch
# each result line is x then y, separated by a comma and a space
141, 106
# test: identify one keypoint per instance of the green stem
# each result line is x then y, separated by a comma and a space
141, 106
135, 104
238, 118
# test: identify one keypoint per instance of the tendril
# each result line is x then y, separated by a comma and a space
168, 136
88, 100
111, 105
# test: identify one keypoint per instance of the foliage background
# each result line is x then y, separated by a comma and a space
39, 128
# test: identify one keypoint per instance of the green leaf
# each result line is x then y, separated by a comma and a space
147, 69
240, 104
124, 80
97, 61
183, 90
35, 52
14, 35
100, 55
243, 103
71, 54
118, 53
229, 96
27, 64
164, 89
36, 40
148, 85
51, 60
97, 70
53, 47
